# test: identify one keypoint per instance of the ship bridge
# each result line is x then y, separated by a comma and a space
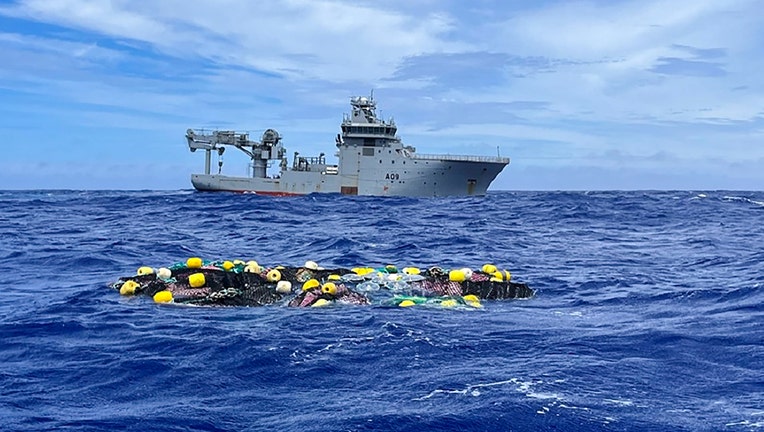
362, 124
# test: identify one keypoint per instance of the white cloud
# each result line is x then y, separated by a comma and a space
587, 30
612, 46
328, 40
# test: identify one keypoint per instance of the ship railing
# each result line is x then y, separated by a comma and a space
462, 158
209, 132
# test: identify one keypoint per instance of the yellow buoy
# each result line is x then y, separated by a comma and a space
471, 298
321, 302
334, 277
363, 271
329, 288
227, 265
489, 268
164, 273
252, 268
194, 262
163, 297
411, 270
196, 280
252, 263
456, 276
310, 284
238, 262
284, 287
145, 271
273, 276
128, 288
448, 303
406, 303
507, 275
498, 275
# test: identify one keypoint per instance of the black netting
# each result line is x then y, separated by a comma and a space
236, 288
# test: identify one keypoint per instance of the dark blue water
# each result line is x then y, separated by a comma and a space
648, 315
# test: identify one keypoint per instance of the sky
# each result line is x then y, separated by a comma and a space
581, 95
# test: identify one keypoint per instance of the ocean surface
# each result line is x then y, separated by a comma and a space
648, 314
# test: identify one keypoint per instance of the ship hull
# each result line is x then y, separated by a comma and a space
287, 185
428, 178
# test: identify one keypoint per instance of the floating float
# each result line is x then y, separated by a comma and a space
239, 283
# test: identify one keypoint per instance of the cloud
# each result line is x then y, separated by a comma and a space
704, 53
328, 40
608, 53
678, 66
695, 65
596, 30
465, 70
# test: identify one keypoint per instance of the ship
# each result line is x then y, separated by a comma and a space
372, 161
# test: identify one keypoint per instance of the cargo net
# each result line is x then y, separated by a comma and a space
239, 283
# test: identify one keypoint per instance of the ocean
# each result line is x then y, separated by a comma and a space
647, 316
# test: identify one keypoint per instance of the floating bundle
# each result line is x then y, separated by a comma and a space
239, 283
